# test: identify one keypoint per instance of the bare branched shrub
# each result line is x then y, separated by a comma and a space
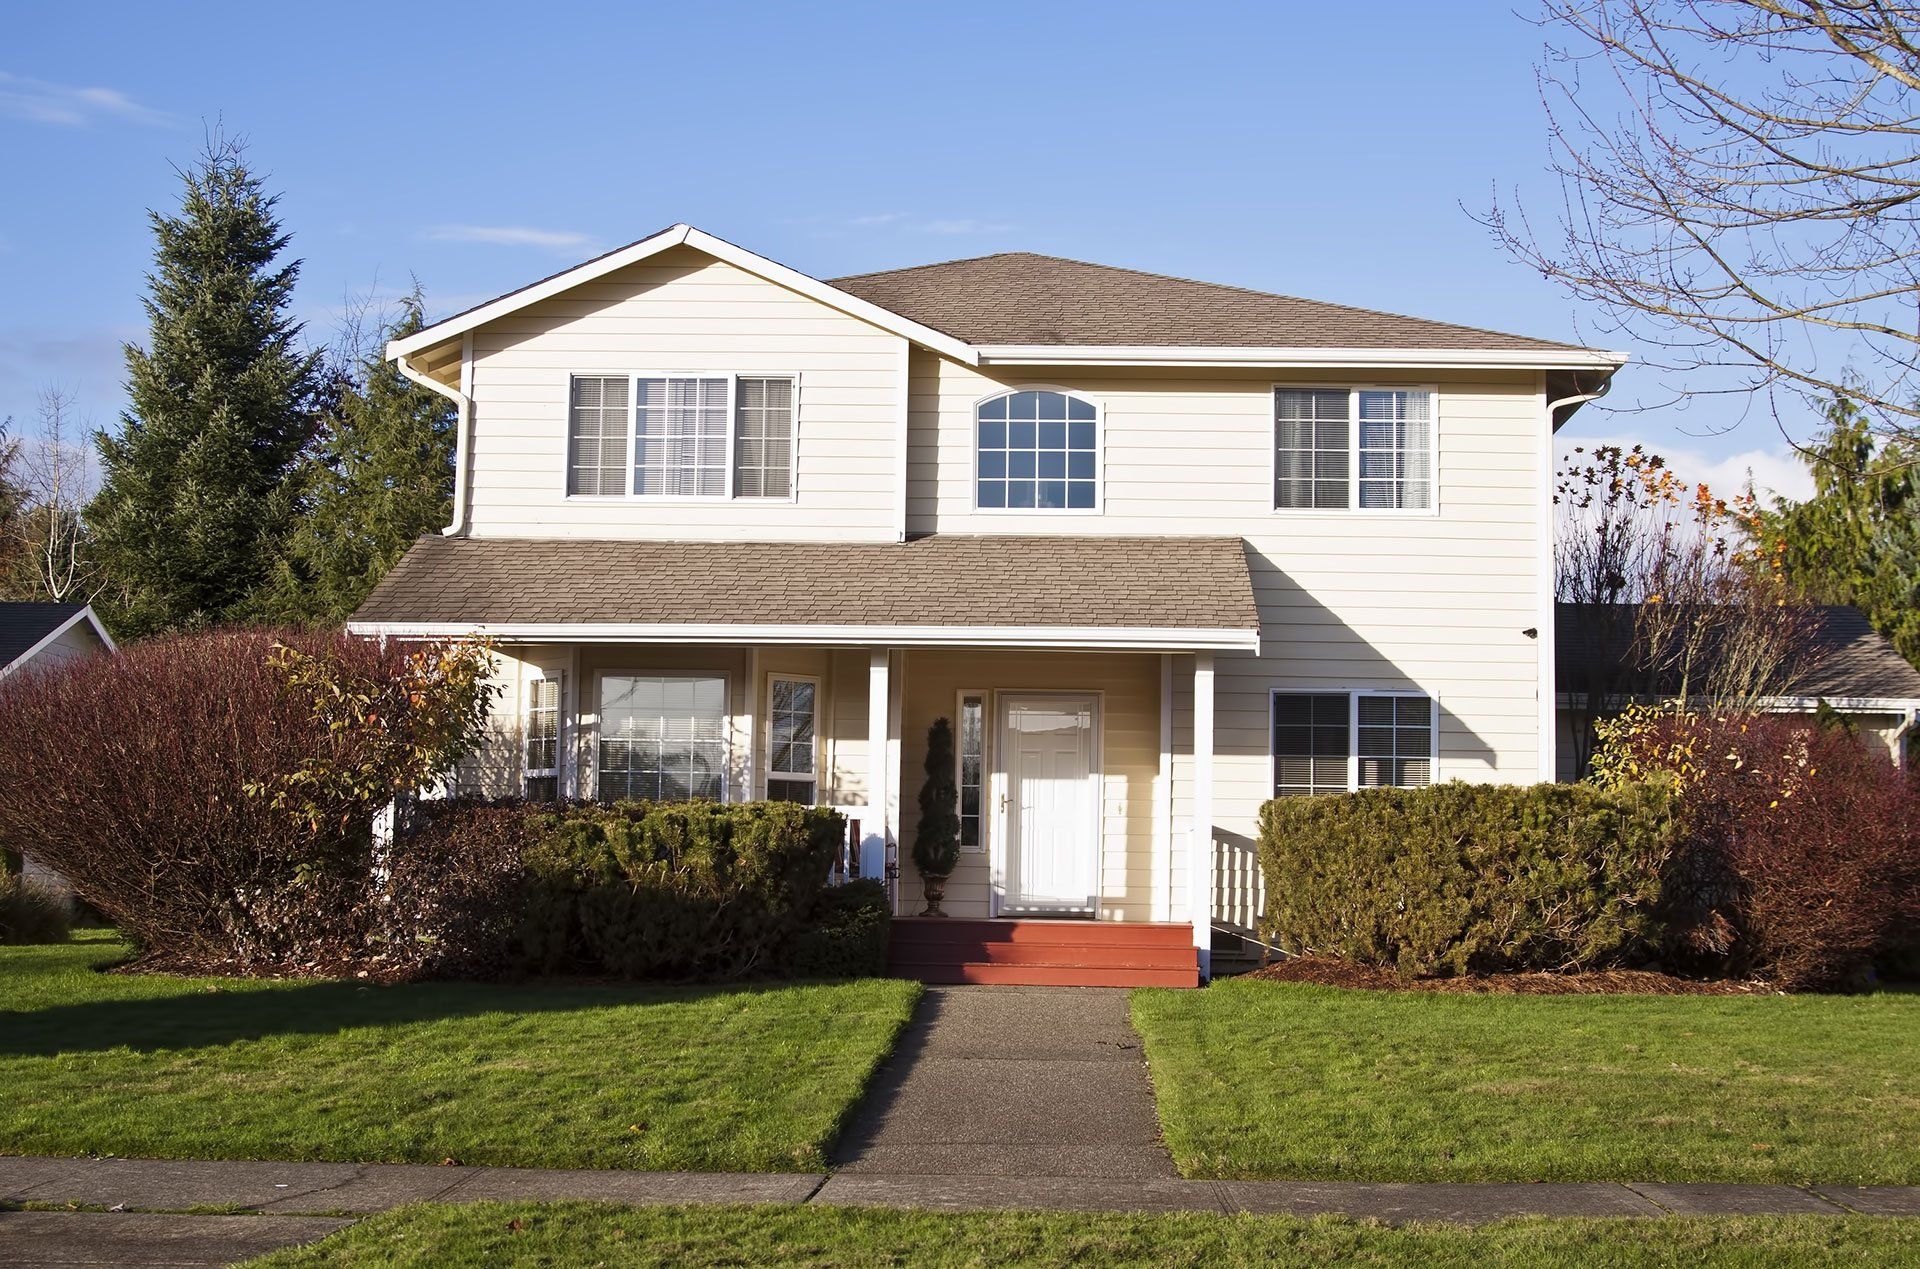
1681, 594
211, 801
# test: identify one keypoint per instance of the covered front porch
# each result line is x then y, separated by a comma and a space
1079, 772
1078, 675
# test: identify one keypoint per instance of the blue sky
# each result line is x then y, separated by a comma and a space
1285, 147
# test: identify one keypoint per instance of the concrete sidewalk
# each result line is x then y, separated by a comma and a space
347, 1189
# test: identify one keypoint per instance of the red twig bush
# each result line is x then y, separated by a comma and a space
1800, 854
213, 794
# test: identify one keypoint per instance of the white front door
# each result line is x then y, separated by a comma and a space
1052, 804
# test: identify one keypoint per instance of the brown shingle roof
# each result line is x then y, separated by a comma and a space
1844, 657
1139, 583
1022, 298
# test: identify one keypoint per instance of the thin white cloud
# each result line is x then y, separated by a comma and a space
69, 106
510, 236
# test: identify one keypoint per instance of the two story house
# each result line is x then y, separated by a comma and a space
1160, 549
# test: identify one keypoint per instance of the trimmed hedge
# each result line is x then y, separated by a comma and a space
848, 935
1470, 878
631, 889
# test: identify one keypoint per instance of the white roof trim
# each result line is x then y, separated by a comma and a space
1112, 638
1310, 358
720, 249
86, 614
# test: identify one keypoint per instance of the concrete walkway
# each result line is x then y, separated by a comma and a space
1011, 1082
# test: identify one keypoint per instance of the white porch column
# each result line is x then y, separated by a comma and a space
750, 778
875, 829
1200, 840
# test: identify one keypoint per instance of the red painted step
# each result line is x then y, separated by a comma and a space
918, 930
1044, 952
1052, 976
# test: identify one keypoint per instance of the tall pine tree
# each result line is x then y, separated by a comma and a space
1857, 540
381, 476
194, 502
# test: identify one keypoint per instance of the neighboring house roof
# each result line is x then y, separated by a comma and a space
1023, 308
1026, 591
1845, 658
1018, 297
27, 626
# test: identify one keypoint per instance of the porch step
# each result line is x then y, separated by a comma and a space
926, 931
1049, 976
1043, 952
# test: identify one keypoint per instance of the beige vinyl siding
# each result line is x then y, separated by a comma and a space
685, 312
1436, 603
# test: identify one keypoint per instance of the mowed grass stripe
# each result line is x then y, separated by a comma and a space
744, 1078
1286, 1081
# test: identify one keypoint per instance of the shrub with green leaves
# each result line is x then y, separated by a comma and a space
1470, 878
631, 889
847, 937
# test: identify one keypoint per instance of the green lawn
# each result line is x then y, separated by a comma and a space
1275, 1080
544, 1075
584, 1233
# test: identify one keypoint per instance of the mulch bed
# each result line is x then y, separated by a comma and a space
1329, 971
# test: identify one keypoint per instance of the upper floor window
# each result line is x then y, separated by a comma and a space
1368, 449
685, 436
1036, 451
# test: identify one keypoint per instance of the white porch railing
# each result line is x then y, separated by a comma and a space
865, 852
1239, 893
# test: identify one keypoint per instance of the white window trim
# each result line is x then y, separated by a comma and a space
558, 678
986, 762
683, 672
1353, 507
1099, 506
633, 378
1353, 695
767, 773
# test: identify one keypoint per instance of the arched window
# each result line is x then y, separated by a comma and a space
1036, 451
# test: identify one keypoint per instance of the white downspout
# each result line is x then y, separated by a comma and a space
463, 422
1547, 637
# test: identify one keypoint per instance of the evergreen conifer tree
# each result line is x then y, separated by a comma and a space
380, 476
1857, 540
194, 499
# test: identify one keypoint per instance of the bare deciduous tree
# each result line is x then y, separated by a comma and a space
1679, 594
1740, 188
58, 481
